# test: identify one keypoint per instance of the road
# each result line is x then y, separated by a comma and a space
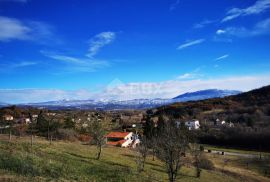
237, 154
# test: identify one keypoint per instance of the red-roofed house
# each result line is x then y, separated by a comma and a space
123, 139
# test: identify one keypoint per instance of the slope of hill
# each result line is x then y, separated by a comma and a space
259, 96
247, 118
72, 161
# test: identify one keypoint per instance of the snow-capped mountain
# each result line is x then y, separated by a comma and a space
206, 94
133, 104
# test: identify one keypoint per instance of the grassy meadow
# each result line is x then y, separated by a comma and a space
74, 161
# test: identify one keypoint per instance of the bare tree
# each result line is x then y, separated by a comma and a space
142, 150
50, 127
10, 129
32, 122
197, 154
171, 146
97, 132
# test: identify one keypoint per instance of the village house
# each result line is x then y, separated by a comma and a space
27, 120
219, 122
193, 124
122, 139
231, 125
8, 117
34, 116
51, 114
23, 121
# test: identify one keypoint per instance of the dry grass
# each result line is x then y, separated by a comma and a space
237, 167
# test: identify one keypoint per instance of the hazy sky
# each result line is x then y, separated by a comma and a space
126, 49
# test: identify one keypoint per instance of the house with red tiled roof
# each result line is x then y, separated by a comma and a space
121, 139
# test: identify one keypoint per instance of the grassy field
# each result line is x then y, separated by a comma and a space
66, 161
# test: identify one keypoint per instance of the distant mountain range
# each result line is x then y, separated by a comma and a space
132, 104
3, 104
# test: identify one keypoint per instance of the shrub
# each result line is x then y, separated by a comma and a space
206, 164
66, 134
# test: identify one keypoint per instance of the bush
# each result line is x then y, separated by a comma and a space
66, 134
206, 164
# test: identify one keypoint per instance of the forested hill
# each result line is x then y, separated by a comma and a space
247, 118
258, 97
254, 104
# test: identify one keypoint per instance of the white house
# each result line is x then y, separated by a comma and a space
231, 125
193, 124
219, 122
27, 120
8, 117
34, 116
51, 114
122, 139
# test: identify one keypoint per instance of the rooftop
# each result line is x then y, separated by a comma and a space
117, 134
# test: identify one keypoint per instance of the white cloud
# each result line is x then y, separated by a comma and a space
172, 88
190, 43
77, 64
185, 76
11, 67
260, 6
15, 29
219, 32
99, 41
222, 57
192, 75
166, 89
261, 28
64, 58
203, 23
24, 64
41, 95
189, 76
86, 63
174, 5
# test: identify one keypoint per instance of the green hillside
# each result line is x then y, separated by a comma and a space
73, 161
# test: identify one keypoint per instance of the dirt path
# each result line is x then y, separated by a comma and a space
237, 154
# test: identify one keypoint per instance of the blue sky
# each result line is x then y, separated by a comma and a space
106, 49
